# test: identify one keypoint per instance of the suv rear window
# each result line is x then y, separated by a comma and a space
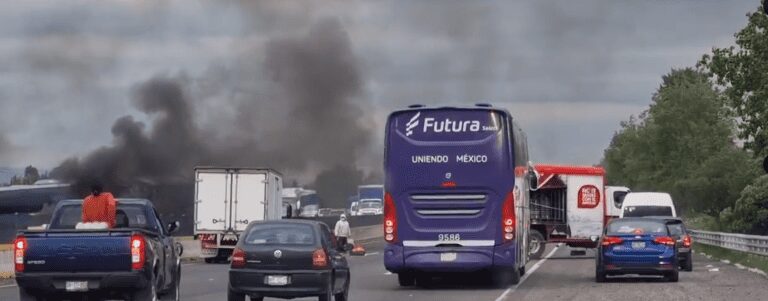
641, 211
620, 227
280, 234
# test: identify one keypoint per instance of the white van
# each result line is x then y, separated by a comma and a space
638, 204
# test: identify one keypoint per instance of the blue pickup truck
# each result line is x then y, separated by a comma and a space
135, 260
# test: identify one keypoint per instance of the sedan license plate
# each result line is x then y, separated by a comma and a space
76, 286
277, 280
447, 257
638, 245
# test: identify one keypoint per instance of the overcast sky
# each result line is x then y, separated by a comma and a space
569, 71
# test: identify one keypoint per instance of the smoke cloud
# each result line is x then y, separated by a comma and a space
313, 122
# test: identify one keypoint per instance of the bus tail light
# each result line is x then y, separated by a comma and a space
508, 218
19, 247
138, 248
390, 219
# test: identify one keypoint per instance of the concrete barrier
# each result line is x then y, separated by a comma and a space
6, 264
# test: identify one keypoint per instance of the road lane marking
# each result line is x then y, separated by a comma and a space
533, 269
7, 286
388, 273
371, 254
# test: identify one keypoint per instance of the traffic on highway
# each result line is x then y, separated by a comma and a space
368, 150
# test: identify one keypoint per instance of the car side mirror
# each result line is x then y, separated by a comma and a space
594, 238
173, 227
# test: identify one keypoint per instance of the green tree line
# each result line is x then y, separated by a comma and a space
704, 135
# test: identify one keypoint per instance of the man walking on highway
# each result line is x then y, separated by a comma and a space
342, 232
99, 206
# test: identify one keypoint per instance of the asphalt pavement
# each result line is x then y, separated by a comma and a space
559, 277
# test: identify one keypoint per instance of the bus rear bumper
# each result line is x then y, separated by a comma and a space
443, 259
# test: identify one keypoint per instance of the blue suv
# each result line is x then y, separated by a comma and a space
637, 245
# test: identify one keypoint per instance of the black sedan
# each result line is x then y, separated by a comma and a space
288, 259
679, 232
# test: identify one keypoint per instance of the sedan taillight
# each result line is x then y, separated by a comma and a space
319, 259
611, 240
664, 240
238, 258
687, 241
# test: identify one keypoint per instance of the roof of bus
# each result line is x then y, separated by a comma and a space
479, 108
570, 169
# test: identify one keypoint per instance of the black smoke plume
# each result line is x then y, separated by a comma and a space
310, 127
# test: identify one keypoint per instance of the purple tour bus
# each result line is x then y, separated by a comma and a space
457, 193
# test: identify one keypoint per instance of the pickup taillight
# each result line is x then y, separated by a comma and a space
19, 248
138, 248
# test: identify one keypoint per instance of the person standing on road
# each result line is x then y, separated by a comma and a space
99, 206
342, 232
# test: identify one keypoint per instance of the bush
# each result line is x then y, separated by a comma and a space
750, 212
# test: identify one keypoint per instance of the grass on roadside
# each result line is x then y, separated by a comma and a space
745, 259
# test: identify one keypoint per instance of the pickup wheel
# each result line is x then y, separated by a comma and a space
148, 293
174, 292
24, 295
235, 296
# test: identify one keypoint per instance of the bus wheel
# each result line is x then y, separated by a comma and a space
406, 278
503, 277
536, 244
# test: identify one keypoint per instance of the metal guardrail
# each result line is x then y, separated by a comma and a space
754, 244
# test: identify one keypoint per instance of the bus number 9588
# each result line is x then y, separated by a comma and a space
448, 237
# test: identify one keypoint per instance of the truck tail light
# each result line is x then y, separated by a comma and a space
611, 240
19, 247
508, 218
687, 241
390, 219
664, 240
138, 248
238, 258
319, 259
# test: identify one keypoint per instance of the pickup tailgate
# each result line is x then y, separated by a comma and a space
77, 251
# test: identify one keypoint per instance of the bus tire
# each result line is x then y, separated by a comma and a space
424, 280
406, 278
536, 244
522, 270
503, 277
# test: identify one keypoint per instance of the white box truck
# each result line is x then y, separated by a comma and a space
226, 200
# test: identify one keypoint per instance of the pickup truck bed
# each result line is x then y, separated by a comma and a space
136, 260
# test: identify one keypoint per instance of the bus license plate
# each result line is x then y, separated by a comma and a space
277, 280
77, 286
447, 257
638, 245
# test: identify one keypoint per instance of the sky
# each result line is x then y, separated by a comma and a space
568, 71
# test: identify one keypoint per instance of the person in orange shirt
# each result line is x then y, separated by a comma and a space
100, 206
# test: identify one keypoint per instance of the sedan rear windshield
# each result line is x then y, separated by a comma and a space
280, 234
641, 211
620, 227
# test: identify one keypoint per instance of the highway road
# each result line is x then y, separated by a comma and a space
559, 277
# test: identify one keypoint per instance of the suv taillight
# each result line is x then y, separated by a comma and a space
611, 240
319, 259
238, 258
19, 248
687, 241
508, 218
138, 248
390, 219
664, 240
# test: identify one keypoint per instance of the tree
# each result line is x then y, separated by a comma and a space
742, 73
750, 213
31, 175
683, 144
